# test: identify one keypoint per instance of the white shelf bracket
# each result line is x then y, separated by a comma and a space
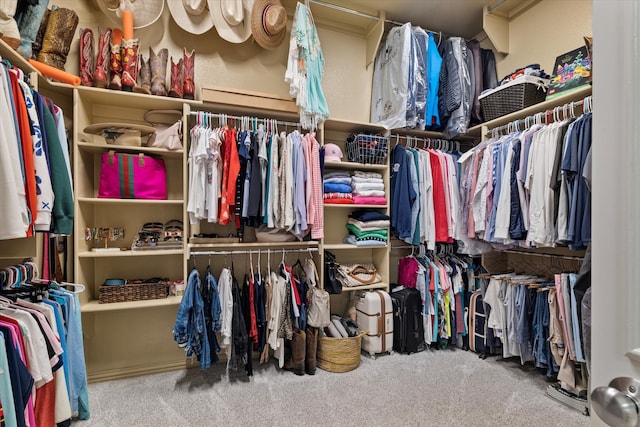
497, 29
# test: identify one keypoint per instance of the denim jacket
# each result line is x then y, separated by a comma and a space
189, 329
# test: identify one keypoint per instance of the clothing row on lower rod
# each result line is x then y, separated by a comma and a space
538, 321
255, 317
43, 375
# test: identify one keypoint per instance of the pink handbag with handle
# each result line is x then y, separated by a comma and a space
132, 176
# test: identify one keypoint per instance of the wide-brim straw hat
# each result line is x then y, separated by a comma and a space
268, 23
145, 12
232, 19
191, 15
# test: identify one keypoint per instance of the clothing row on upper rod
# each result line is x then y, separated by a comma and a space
559, 113
205, 118
432, 143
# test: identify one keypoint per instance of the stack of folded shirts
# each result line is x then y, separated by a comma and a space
367, 228
337, 188
368, 188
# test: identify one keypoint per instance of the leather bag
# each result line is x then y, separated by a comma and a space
319, 313
331, 282
352, 275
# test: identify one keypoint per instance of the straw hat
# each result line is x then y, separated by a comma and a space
191, 15
121, 133
232, 18
145, 12
268, 23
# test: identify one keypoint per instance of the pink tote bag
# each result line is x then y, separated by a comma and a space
132, 176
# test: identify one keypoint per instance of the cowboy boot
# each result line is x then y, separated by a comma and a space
37, 45
58, 36
158, 64
87, 65
296, 362
8, 25
145, 77
115, 62
177, 78
29, 19
129, 64
100, 78
311, 350
188, 85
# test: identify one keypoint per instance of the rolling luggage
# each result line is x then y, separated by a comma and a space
408, 329
374, 314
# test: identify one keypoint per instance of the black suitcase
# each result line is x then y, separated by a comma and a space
408, 330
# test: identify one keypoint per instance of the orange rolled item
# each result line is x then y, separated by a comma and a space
55, 73
127, 25
116, 36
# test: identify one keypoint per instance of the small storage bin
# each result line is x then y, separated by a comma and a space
339, 354
521, 93
368, 149
135, 290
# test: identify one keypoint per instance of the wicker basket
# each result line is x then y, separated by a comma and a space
132, 291
513, 97
339, 354
367, 149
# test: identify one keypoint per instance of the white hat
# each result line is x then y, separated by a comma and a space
145, 12
332, 153
232, 19
191, 15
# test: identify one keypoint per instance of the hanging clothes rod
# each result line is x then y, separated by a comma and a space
448, 143
365, 15
566, 257
253, 251
220, 116
546, 116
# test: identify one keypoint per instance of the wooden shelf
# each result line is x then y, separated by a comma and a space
128, 202
96, 307
131, 99
130, 253
354, 206
348, 126
576, 95
349, 247
103, 148
380, 285
254, 245
352, 166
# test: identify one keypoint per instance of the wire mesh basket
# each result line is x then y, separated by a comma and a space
368, 149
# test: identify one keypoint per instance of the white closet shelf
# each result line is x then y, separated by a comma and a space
353, 127
379, 285
128, 202
255, 245
130, 253
102, 148
95, 306
354, 206
133, 100
351, 166
347, 246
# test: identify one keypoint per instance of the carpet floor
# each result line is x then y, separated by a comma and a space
432, 388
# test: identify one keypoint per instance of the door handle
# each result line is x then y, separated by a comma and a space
619, 403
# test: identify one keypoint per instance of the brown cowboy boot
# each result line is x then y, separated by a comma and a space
311, 350
188, 85
37, 45
129, 64
100, 78
58, 37
145, 77
177, 78
296, 362
115, 61
158, 64
87, 65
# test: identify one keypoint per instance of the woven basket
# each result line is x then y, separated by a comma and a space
512, 98
339, 354
133, 292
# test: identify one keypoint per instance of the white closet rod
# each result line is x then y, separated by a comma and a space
530, 120
567, 257
430, 141
252, 251
221, 116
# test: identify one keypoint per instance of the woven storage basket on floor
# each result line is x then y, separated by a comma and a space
133, 292
513, 97
339, 354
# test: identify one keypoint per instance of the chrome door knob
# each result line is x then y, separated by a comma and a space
618, 404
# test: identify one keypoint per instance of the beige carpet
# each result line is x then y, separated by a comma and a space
433, 388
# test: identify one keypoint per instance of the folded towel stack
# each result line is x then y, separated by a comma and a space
367, 228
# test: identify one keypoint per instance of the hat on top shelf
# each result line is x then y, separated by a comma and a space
232, 18
145, 12
191, 15
332, 153
121, 133
268, 23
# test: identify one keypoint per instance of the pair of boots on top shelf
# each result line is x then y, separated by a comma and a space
118, 66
